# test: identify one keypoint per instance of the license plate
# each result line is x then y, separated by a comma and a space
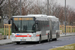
23, 39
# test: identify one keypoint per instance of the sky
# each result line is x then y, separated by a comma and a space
71, 3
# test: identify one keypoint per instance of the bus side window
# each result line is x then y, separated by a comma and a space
37, 27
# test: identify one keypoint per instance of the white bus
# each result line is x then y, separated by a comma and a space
34, 28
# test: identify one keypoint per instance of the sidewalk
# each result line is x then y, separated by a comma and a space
5, 41
8, 41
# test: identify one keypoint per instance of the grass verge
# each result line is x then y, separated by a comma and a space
66, 47
6, 31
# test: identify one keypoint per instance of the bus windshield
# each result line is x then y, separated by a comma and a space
24, 25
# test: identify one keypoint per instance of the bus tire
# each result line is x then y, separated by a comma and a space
17, 42
55, 39
48, 39
40, 39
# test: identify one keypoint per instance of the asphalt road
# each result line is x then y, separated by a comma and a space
43, 46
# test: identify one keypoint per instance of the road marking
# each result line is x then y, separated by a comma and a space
19, 48
27, 46
23, 47
30, 46
38, 44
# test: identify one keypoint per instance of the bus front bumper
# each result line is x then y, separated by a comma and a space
34, 39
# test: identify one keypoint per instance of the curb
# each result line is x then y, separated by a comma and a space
66, 35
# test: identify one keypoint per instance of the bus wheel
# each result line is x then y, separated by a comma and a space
39, 39
48, 38
17, 42
55, 39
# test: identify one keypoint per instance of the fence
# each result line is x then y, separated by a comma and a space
69, 29
7, 28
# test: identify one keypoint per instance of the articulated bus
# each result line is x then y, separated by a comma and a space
34, 28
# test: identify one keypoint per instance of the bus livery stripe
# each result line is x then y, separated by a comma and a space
37, 35
22, 35
46, 34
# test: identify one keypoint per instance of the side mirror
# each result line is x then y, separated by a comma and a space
9, 22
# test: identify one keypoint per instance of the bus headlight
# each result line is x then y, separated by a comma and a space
13, 35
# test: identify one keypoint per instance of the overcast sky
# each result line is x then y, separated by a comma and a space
71, 3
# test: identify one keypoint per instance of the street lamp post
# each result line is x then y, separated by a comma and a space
47, 7
65, 17
9, 9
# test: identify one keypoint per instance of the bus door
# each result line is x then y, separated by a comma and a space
53, 29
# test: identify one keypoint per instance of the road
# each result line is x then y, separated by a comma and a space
43, 46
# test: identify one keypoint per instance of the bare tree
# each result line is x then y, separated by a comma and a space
39, 7
1, 2
14, 7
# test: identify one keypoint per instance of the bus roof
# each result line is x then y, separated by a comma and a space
35, 15
31, 15
40, 17
51, 16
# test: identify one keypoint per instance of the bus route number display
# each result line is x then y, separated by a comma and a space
23, 18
